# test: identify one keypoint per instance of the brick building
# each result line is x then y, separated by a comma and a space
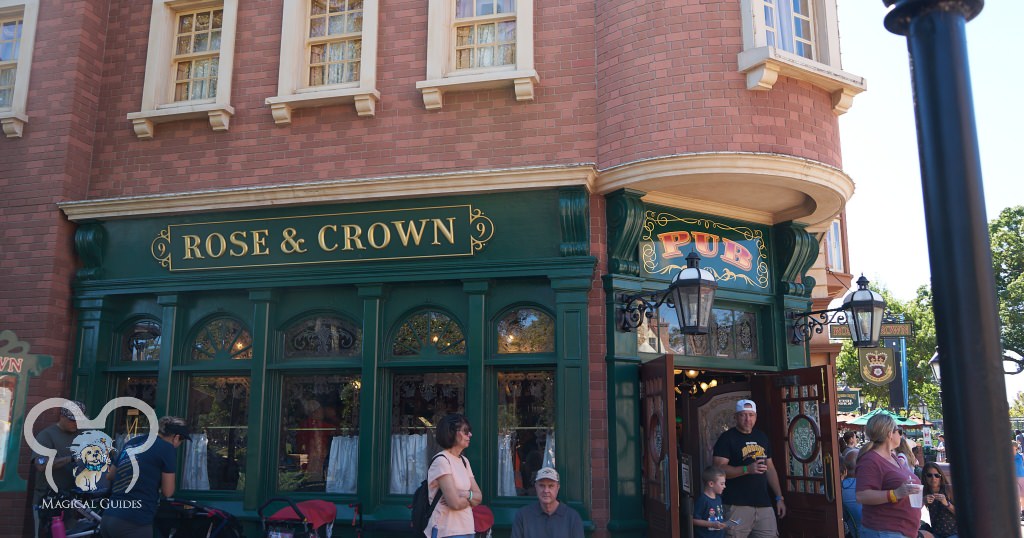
311, 227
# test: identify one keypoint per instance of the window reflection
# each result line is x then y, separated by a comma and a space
141, 342
218, 410
733, 334
526, 420
418, 402
429, 333
222, 339
322, 337
319, 433
526, 330
128, 421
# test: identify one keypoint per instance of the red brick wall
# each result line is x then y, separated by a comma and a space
669, 84
50, 163
598, 346
474, 130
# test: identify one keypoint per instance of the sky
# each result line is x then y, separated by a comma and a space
885, 228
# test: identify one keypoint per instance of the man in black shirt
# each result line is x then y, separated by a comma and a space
751, 480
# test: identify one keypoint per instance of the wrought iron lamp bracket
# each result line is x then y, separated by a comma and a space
635, 308
1016, 362
807, 324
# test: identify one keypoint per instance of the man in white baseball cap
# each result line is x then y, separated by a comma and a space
547, 518
751, 480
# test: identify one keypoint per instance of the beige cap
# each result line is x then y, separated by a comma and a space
548, 473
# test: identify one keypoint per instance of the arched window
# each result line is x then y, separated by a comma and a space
140, 341
222, 338
322, 336
429, 333
526, 330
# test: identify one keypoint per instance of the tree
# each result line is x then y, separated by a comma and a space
1006, 234
1017, 409
920, 348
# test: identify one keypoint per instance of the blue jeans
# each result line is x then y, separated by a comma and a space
871, 533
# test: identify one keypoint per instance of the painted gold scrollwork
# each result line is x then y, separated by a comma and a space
161, 248
482, 227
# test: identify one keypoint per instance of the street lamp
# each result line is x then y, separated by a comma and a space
934, 364
862, 310
691, 293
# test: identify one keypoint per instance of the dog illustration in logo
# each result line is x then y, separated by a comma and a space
91, 450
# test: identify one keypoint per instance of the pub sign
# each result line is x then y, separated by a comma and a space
877, 365
847, 401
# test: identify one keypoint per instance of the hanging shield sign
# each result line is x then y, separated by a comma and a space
877, 365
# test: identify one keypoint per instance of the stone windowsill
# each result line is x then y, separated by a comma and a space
144, 122
763, 65
365, 100
13, 123
522, 81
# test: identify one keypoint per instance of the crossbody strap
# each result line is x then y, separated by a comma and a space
437, 496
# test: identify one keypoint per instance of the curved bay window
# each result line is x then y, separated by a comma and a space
322, 336
319, 445
526, 330
428, 334
218, 411
526, 429
141, 342
222, 339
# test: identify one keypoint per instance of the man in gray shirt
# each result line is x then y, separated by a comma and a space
59, 437
547, 518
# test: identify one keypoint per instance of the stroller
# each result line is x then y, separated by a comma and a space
306, 519
188, 519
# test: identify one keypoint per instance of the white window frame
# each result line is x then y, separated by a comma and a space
442, 77
762, 64
14, 118
293, 90
834, 247
158, 105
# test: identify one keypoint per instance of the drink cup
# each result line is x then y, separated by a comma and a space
917, 498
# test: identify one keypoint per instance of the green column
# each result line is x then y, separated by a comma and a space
93, 351
572, 417
373, 440
263, 452
168, 341
476, 335
625, 479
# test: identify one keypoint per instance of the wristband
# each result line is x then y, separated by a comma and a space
470, 495
892, 497
778, 498
744, 469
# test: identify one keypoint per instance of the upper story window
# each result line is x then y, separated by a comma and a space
485, 33
141, 342
222, 338
197, 54
476, 45
834, 247
328, 56
429, 333
526, 330
17, 38
189, 64
798, 39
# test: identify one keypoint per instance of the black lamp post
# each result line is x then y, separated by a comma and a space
863, 310
692, 294
966, 318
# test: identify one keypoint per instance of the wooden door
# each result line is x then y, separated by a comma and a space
660, 460
804, 451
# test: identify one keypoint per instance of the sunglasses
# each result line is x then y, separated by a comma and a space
932, 475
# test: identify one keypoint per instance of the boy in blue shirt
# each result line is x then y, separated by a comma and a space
708, 515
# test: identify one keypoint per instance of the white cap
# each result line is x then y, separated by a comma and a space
746, 405
548, 473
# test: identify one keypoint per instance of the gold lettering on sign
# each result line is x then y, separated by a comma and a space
192, 247
238, 239
448, 232
405, 234
290, 243
222, 245
259, 242
321, 238
352, 233
385, 233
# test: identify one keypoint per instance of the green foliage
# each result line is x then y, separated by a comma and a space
1017, 409
920, 349
1006, 234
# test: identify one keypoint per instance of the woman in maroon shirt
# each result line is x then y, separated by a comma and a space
883, 486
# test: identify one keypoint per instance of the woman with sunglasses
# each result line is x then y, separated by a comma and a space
451, 474
884, 486
938, 497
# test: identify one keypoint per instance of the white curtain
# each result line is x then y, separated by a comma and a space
506, 467
408, 462
343, 464
6, 406
549, 450
195, 475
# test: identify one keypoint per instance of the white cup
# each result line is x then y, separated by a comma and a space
917, 498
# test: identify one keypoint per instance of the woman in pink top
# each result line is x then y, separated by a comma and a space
883, 485
453, 517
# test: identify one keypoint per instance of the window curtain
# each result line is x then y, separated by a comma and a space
195, 474
408, 462
549, 450
506, 467
6, 405
343, 464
